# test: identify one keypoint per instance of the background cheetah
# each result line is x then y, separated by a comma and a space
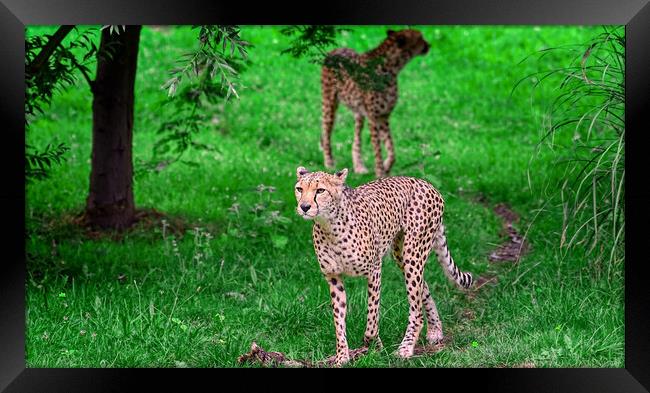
397, 49
355, 227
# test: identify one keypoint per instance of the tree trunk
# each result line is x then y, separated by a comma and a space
110, 202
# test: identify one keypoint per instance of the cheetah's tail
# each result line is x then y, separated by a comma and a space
462, 279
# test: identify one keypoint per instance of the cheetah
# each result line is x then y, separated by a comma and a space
397, 50
355, 227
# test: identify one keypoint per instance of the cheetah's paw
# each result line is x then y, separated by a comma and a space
405, 352
434, 337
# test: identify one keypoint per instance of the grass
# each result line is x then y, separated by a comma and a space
159, 298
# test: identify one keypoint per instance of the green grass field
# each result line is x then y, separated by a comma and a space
246, 271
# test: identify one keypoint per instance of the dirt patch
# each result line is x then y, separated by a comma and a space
146, 222
511, 250
516, 245
504, 211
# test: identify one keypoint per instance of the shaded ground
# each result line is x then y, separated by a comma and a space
146, 220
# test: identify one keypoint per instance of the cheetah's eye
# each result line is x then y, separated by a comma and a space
299, 189
320, 191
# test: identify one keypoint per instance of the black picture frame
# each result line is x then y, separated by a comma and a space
16, 14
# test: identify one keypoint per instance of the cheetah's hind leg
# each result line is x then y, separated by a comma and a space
434, 324
372, 325
387, 140
329, 105
357, 160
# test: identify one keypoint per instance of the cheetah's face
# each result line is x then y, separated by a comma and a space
410, 42
318, 193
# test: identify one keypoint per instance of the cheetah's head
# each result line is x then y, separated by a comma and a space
409, 42
318, 193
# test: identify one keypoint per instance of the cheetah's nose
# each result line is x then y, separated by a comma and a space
305, 207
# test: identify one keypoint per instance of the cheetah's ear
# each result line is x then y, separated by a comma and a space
301, 171
342, 174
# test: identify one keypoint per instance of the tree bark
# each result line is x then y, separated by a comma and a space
110, 203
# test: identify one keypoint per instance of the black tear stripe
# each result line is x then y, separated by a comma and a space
315, 201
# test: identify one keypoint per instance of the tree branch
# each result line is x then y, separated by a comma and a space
49, 48
83, 71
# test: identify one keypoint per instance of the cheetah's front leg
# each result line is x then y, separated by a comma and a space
337, 296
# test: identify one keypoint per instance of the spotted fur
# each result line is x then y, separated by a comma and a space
396, 50
355, 227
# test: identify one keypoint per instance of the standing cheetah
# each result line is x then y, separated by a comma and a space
396, 50
355, 227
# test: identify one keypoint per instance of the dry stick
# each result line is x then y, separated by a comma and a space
524, 273
489, 280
